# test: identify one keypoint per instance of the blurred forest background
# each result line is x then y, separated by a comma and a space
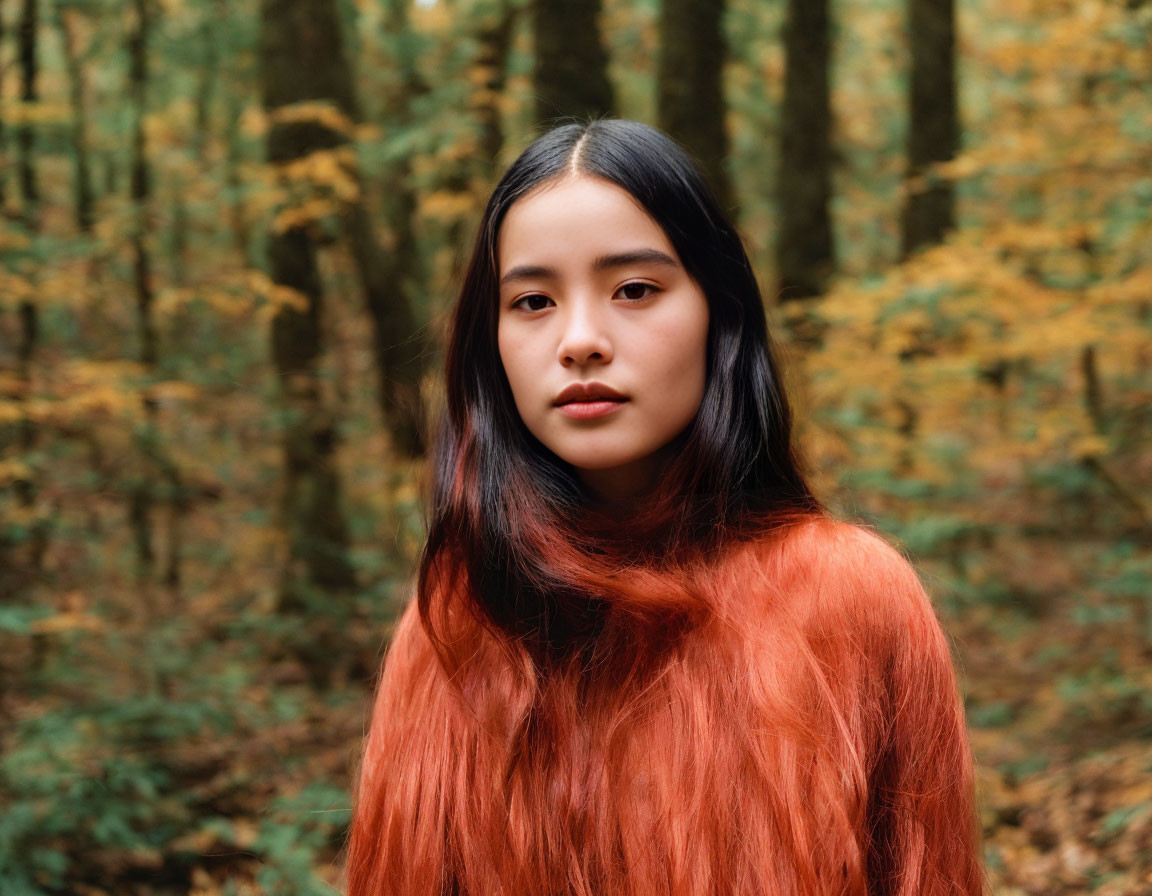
229, 234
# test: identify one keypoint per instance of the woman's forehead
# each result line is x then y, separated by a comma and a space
576, 218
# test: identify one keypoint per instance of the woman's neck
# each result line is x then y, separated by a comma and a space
619, 490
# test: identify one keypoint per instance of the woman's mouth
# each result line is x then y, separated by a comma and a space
587, 401
590, 410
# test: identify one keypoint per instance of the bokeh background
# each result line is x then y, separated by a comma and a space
229, 234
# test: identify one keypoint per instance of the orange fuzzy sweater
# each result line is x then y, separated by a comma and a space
804, 736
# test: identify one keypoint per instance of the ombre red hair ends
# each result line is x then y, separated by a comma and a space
720, 691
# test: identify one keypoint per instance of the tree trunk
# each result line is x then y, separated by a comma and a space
142, 490
805, 249
3, 134
495, 39
27, 34
29, 47
25, 135
571, 66
312, 514
158, 472
68, 21
476, 174
300, 51
209, 76
304, 58
238, 222
933, 125
234, 102
387, 280
140, 182
21, 554
394, 280
690, 102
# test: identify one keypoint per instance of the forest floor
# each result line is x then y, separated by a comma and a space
1058, 690
1063, 746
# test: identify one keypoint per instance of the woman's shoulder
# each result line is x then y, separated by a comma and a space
851, 551
831, 568
830, 544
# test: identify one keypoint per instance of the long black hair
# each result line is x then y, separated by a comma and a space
512, 518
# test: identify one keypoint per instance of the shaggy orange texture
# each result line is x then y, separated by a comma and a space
803, 736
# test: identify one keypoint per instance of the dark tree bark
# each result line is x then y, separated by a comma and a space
22, 556
690, 103
805, 249
28, 49
304, 59
571, 66
302, 44
27, 36
3, 133
933, 121
389, 280
234, 100
299, 48
393, 279
140, 181
214, 17
84, 199
477, 174
495, 39
238, 222
142, 492
209, 77
159, 477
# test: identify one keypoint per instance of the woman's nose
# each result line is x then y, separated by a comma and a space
585, 338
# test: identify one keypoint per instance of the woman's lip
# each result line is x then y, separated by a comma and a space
588, 392
589, 410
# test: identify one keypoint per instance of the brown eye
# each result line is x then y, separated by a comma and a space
534, 302
635, 291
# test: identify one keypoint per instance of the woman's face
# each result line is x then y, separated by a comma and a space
602, 332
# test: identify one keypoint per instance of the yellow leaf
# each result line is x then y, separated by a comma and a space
302, 215
174, 390
1088, 446
446, 206
253, 122
64, 622
15, 112
12, 470
314, 112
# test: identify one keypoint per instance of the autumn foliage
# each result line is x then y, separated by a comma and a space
171, 724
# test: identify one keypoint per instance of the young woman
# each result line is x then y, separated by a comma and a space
642, 659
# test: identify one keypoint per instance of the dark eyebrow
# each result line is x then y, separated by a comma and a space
527, 272
637, 256
615, 260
